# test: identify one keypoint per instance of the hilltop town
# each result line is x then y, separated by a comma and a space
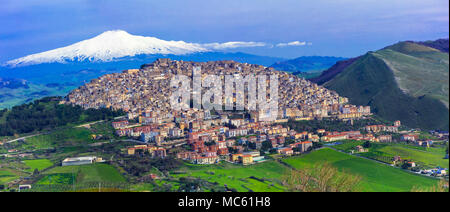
148, 90
218, 135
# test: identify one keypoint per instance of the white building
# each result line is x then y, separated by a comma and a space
80, 160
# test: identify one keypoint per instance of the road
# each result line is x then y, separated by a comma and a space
24, 137
82, 125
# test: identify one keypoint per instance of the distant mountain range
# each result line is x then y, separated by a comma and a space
407, 81
306, 64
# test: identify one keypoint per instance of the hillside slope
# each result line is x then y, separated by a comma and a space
440, 44
333, 71
406, 81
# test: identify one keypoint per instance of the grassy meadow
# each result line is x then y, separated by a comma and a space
375, 176
258, 177
38, 164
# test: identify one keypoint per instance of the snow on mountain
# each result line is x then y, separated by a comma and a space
118, 43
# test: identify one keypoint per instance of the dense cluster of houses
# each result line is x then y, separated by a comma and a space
148, 89
211, 138
235, 137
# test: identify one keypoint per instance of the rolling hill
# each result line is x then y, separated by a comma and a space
406, 81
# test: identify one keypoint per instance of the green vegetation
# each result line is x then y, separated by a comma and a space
419, 70
430, 157
330, 125
38, 164
47, 113
348, 145
97, 172
258, 177
10, 97
60, 138
401, 82
8, 175
375, 176
308, 74
64, 179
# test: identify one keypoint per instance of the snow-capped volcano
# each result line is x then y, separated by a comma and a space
117, 44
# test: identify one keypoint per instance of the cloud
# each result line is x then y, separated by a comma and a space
294, 43
231, 45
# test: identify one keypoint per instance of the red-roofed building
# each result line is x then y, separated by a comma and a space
120, 124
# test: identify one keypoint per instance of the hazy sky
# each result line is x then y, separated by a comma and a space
334, 27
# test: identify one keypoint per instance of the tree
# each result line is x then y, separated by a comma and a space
405, 165
266, 145
35, 172
321, 178
317, 145
367, 144
446, 149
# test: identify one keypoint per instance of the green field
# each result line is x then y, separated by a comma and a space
7, 175
239, 177
63, 178
63, 137
428, 157
348, 145
375, 176
98, 172
38, 164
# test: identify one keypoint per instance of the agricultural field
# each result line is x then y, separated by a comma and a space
38, 164
7, 175
259, 177
430, 157
348, 145
11, 170
61, 178
98, 172
63, 137
375, 176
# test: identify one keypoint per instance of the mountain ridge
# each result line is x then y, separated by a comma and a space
406, 81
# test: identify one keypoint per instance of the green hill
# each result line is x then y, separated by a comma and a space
306, 64
406, 81
375, 176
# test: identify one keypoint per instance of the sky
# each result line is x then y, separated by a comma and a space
290, 28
